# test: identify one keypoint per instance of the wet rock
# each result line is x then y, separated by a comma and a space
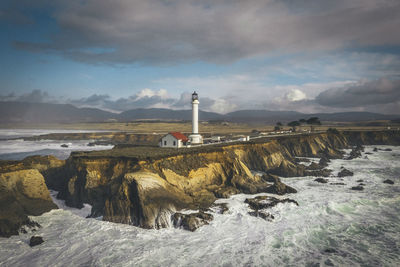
330, 250
361, 184
64, 145
369, 153
262, 214
357, 188
323, 162
328, 262
375, 149
387, 149
337, 184
388, 181
219, 208
278, 187
264, 202
345, 172
35, 240
360, 181
321, 180
314, 166
191, 221
355, 152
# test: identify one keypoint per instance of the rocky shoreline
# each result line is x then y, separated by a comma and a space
133, 185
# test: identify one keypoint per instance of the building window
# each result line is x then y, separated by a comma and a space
165, 143
174, 143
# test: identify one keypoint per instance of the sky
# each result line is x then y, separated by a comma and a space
302, 55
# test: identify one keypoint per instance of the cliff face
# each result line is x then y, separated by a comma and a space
146, 191
144, 186
22, 193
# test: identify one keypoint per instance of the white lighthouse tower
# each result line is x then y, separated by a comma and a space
195, 137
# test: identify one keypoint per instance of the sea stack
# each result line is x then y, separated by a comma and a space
195, 137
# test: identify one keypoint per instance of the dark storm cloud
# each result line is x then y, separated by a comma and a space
146, 98
158, 31
382, 91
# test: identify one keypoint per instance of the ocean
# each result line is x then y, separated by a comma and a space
332, 226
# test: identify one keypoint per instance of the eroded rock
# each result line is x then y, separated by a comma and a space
388, 181
278, 187
358, 188
321, 180
22, 193
191, 221
35, 240
264, 202
345, 172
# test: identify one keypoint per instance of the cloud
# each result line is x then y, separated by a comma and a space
295, 95
160, 32
35, 96
381, 91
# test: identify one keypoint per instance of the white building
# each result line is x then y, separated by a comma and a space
195, 137
174, 139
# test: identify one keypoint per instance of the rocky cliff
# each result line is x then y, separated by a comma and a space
22, 193
143, 187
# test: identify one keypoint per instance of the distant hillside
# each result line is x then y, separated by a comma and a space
20, 112
166, 114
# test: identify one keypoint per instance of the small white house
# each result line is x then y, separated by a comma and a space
244, 138
174, 139
216, 138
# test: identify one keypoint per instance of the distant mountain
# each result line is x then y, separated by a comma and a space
20, 112
166, 114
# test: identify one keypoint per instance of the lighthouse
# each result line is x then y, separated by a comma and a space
195, 137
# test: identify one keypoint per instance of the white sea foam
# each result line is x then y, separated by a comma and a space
360, 228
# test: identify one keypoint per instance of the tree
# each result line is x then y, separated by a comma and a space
313, 121
294, 124
278, 126
302, 121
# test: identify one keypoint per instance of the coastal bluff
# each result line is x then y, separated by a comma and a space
146, 186
143, 186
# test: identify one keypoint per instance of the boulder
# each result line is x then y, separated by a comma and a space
22, 193
375, 149
262, 214
345, 172
278, 187
357, 188
321, 180
191, 221
313, 166
263, 202
337, 184
219, 208
388, 181
323, 162
35, 240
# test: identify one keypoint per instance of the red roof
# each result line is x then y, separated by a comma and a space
179, 136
